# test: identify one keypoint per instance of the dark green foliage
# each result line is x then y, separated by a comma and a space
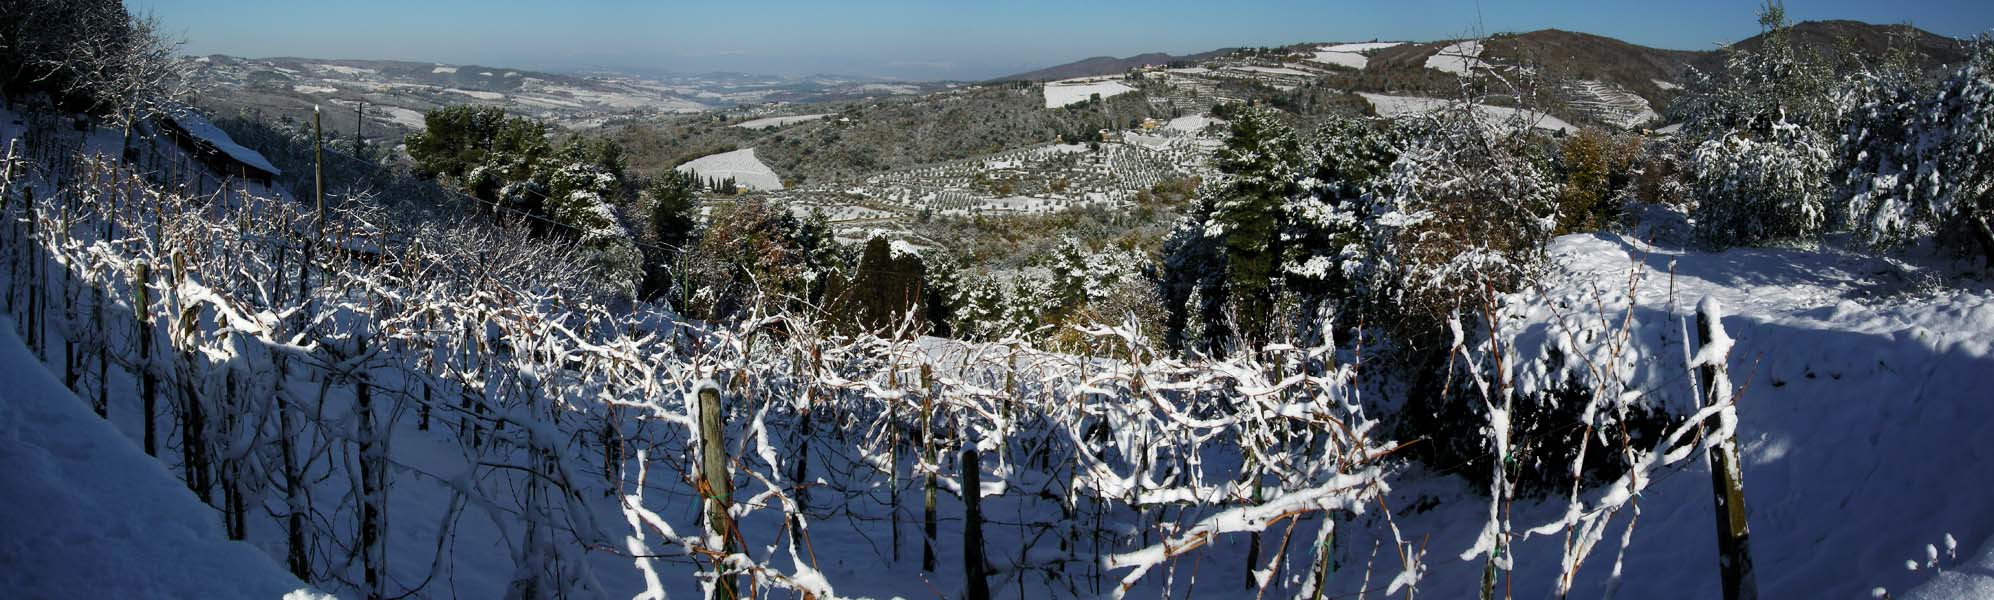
457, 140
674, 208
1261, 159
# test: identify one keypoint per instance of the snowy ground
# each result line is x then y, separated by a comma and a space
768, 122
89, 515
1075, 91
1459, 58
1398, 106
1355, 56
1862, 423
741, 165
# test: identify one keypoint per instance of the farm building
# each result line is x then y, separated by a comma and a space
200, 139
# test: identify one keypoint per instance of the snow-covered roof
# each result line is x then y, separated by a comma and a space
191, 121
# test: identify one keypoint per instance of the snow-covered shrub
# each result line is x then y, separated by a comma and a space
1918, 159
1759, 171
580, 202
1597, 167
747, 251
1464, 208
1779, 83
1349, 158
1752, 189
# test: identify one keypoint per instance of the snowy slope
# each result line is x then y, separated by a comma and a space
742, 165
1862, 422
89, 515
1349, 55
1398, 106
1075, 91
768, 122
1460, 58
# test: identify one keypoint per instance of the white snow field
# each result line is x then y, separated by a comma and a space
1074, 91
1862, 421
1355, 56
1191, 123
1459, 58
1497, 116
768, 122
89, 515
741, 165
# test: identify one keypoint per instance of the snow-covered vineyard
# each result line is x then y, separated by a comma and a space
1261, 322
383, 422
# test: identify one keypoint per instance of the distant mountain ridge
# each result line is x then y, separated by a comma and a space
1109, 65
1579, 51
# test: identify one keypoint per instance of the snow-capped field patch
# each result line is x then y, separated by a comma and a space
1459, 58
443, 70
404, 116
313, 89
1273, 70
1360, 47
481, 95
1191, 123
768, 122
1353, 56
742, 165
346, 70
1351, 60
1609, 103
1495, 116
1075, 91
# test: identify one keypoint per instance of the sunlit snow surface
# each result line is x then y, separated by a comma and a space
1075, 91
741, 165
89, 515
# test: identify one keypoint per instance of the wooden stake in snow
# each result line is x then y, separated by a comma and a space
974, 586
928, 456
1734, 553
148, 385
716, 484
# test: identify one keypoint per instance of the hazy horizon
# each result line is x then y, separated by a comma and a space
939, 41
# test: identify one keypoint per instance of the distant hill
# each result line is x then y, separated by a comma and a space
1109, 65
1869, 39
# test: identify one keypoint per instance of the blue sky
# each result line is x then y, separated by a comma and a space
937, 40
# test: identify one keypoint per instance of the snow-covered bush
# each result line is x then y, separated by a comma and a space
1918, 159
1759, 171
1597, 167
1758, 189
580, 201
1779, 83
1349, 159
1465, 208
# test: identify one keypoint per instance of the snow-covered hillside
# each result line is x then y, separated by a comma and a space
1075, 91
89, 515
1498, 116
741, 165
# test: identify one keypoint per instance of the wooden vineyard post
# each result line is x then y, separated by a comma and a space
928, 456
1734, 552
974, 585
148, 382
716, 485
